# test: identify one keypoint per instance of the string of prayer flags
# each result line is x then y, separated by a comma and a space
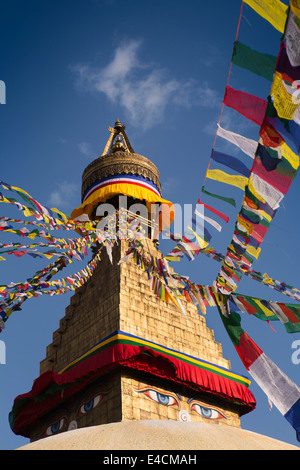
169, 286
196, 236
279, 388
274, 168
16, 294
248, 146
250, 106
287, 314
273, 11
231, 162
180, 286
243, 264
253, 61
53, 218
253, 108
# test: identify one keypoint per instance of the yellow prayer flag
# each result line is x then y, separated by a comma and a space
173, 299
290, 156
266, 311
170, 258
274, 11
253, 251
8, 312
253, 190
60, 213
202, 243
234, 180
295, 7
47, 255
4, 199
163, 293
267, 279
248, 227
284, 103
26, 211
21, 190
31, 235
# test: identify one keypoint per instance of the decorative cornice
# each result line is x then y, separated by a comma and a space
116, 163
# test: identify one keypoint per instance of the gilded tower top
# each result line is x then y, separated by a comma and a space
119, 158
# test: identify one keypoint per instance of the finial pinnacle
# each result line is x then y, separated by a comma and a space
118, 125
115, 143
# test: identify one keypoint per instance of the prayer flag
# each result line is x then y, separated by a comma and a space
274, 11
269, 135
209, 220
214, 211
222, 198
233, 180
288, 72
278, 387
292, 39
230, 162
249, 106
285, 103
277, 180
261, 64
295, 7
248, 146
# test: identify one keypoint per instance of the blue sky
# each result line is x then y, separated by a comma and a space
71, 68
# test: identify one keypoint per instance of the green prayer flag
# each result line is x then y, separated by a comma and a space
226, 199
261, 64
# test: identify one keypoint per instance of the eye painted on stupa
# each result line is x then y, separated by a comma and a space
91, 398
55, 427
90, 404
90, 401
205, 411
159, 396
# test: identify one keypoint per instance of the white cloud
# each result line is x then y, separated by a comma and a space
63, 197
143, 90
85, 149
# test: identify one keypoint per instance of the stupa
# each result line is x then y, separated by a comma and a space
122, 357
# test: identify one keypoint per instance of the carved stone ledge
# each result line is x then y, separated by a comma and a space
119, 163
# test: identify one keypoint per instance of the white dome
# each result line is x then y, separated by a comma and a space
158, 435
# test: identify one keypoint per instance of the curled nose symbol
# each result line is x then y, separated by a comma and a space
72, 425
184, 416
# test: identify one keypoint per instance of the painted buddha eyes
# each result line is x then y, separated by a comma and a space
206, 412
171, 399
91, 404
155, 395
83, 408
54, 428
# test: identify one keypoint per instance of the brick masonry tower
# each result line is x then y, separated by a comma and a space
121, 353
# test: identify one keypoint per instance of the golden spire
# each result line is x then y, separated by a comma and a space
115, 143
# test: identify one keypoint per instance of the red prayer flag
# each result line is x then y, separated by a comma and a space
222, 216
249, 106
